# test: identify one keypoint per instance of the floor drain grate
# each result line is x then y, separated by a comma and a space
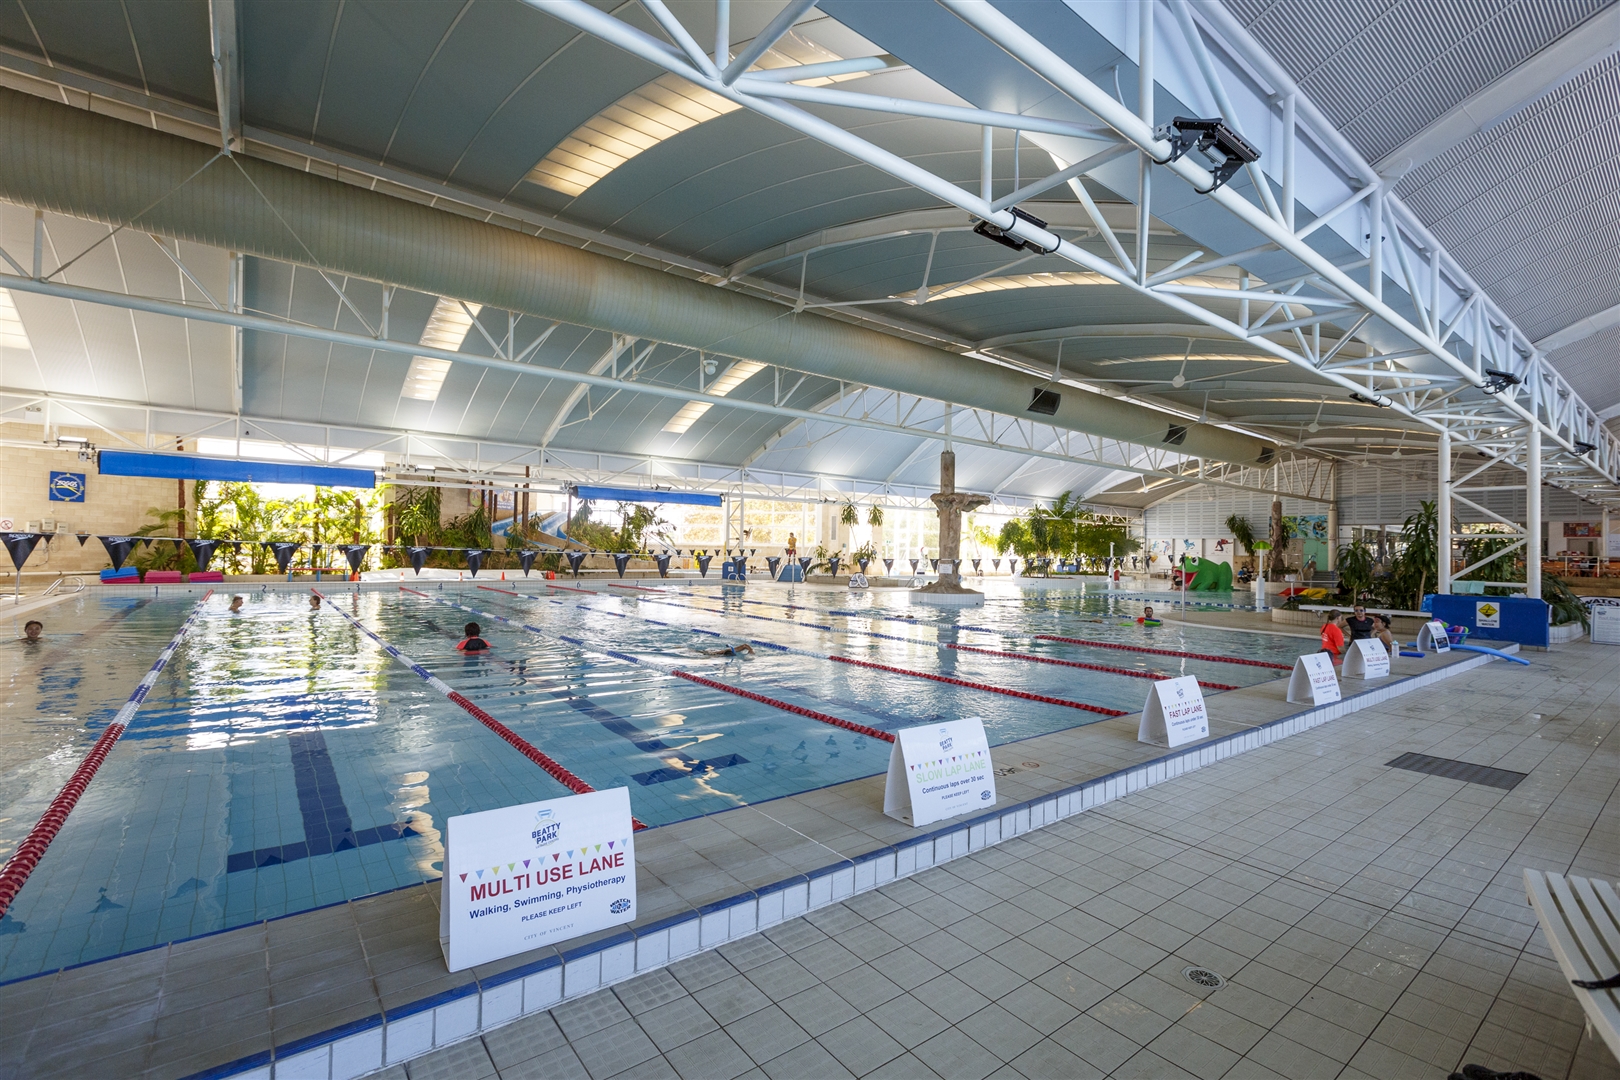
1467, 772
1203, 977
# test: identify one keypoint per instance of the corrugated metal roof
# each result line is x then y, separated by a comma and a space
1382, 70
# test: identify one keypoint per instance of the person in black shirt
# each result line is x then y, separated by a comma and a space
1360, 625
472, 642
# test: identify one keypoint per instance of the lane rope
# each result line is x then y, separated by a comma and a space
701, 680
1089, 667
551, 765
28, 854
1165, 652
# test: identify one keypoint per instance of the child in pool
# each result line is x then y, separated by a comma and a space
472, 642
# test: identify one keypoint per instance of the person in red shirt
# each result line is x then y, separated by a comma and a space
1333, 636
472, 642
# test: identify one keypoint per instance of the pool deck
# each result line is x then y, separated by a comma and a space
344, 990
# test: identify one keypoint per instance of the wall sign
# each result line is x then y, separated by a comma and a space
1174, 713
67, 486
1606, 624
1314, 680
1366, 659
1487, 615
525, 876
939, 771
1432, 637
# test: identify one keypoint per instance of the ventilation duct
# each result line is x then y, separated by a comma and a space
73, 162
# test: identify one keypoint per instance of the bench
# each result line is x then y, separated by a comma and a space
1581, 919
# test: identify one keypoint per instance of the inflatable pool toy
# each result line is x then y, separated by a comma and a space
1209, 576
1152, 622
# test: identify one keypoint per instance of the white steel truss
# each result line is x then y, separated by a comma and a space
1431, 346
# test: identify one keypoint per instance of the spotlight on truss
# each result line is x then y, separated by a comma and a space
1498, 381
1374, 399
1225, 150
1583, 448
991, 231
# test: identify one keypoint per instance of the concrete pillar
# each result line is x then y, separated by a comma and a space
1443, 532
1532, 513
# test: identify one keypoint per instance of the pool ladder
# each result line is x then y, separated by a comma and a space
78, 585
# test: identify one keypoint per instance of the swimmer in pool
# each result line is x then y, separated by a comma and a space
314, 602
32, 629
236, 605
739, 649
472, 642
1147, 618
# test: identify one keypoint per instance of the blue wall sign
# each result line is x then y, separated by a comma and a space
67, 487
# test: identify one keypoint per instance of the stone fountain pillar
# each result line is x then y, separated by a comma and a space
952, 505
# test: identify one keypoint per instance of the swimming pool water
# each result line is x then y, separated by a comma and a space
283, 761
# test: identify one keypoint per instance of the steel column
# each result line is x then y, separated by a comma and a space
1532, 511
1443, 531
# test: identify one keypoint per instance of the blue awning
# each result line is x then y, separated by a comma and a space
192, 467
686, 498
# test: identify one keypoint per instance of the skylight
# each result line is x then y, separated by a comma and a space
733, 377
447, 328
12, 333
660, 110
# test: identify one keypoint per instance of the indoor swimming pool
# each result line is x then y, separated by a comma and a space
283, 761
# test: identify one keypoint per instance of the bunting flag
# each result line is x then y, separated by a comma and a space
621, 559
1012, 566
83, 536
934, 565
773, 563
118, 548
804, 563
283, 551
202, 551
526, 560
356, 554
663, 564
20, 545
914, 565
864, 563
418, 557
975, 566
888, 565
995, 564
475, 559
703, 564
575, 558
833, 562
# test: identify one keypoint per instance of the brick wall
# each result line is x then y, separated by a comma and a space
113, 505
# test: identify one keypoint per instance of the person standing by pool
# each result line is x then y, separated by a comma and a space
472, 642
1333, 635
792, 546
1360, 625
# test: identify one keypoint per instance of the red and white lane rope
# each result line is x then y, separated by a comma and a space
701, 680
1164, 652
1089, 667
22, 862
523, 746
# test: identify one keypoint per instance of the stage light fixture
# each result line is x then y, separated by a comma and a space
1498, 381
1374, 399
991, 231
1583, 448
1225, 150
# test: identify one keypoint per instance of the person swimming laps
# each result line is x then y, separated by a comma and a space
742, 648
472, 642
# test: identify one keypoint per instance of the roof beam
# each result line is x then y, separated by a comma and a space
1565, 59
1585, 328
227, 72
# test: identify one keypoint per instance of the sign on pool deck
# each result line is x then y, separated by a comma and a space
1432, 637
525, 876
1174, 713
939, 771
1366, 659
1487, 615
1314, 681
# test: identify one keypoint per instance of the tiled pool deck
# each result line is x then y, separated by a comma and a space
350, 988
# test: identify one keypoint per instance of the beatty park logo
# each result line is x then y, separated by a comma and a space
547, 828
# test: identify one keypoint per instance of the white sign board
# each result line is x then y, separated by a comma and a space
1313, 680
1174, 713
1606, 624
939, 771
525, 876
1611, 544
1432, 637
1366, 659
1487, 615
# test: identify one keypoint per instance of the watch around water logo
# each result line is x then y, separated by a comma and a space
619, 906
546, 828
